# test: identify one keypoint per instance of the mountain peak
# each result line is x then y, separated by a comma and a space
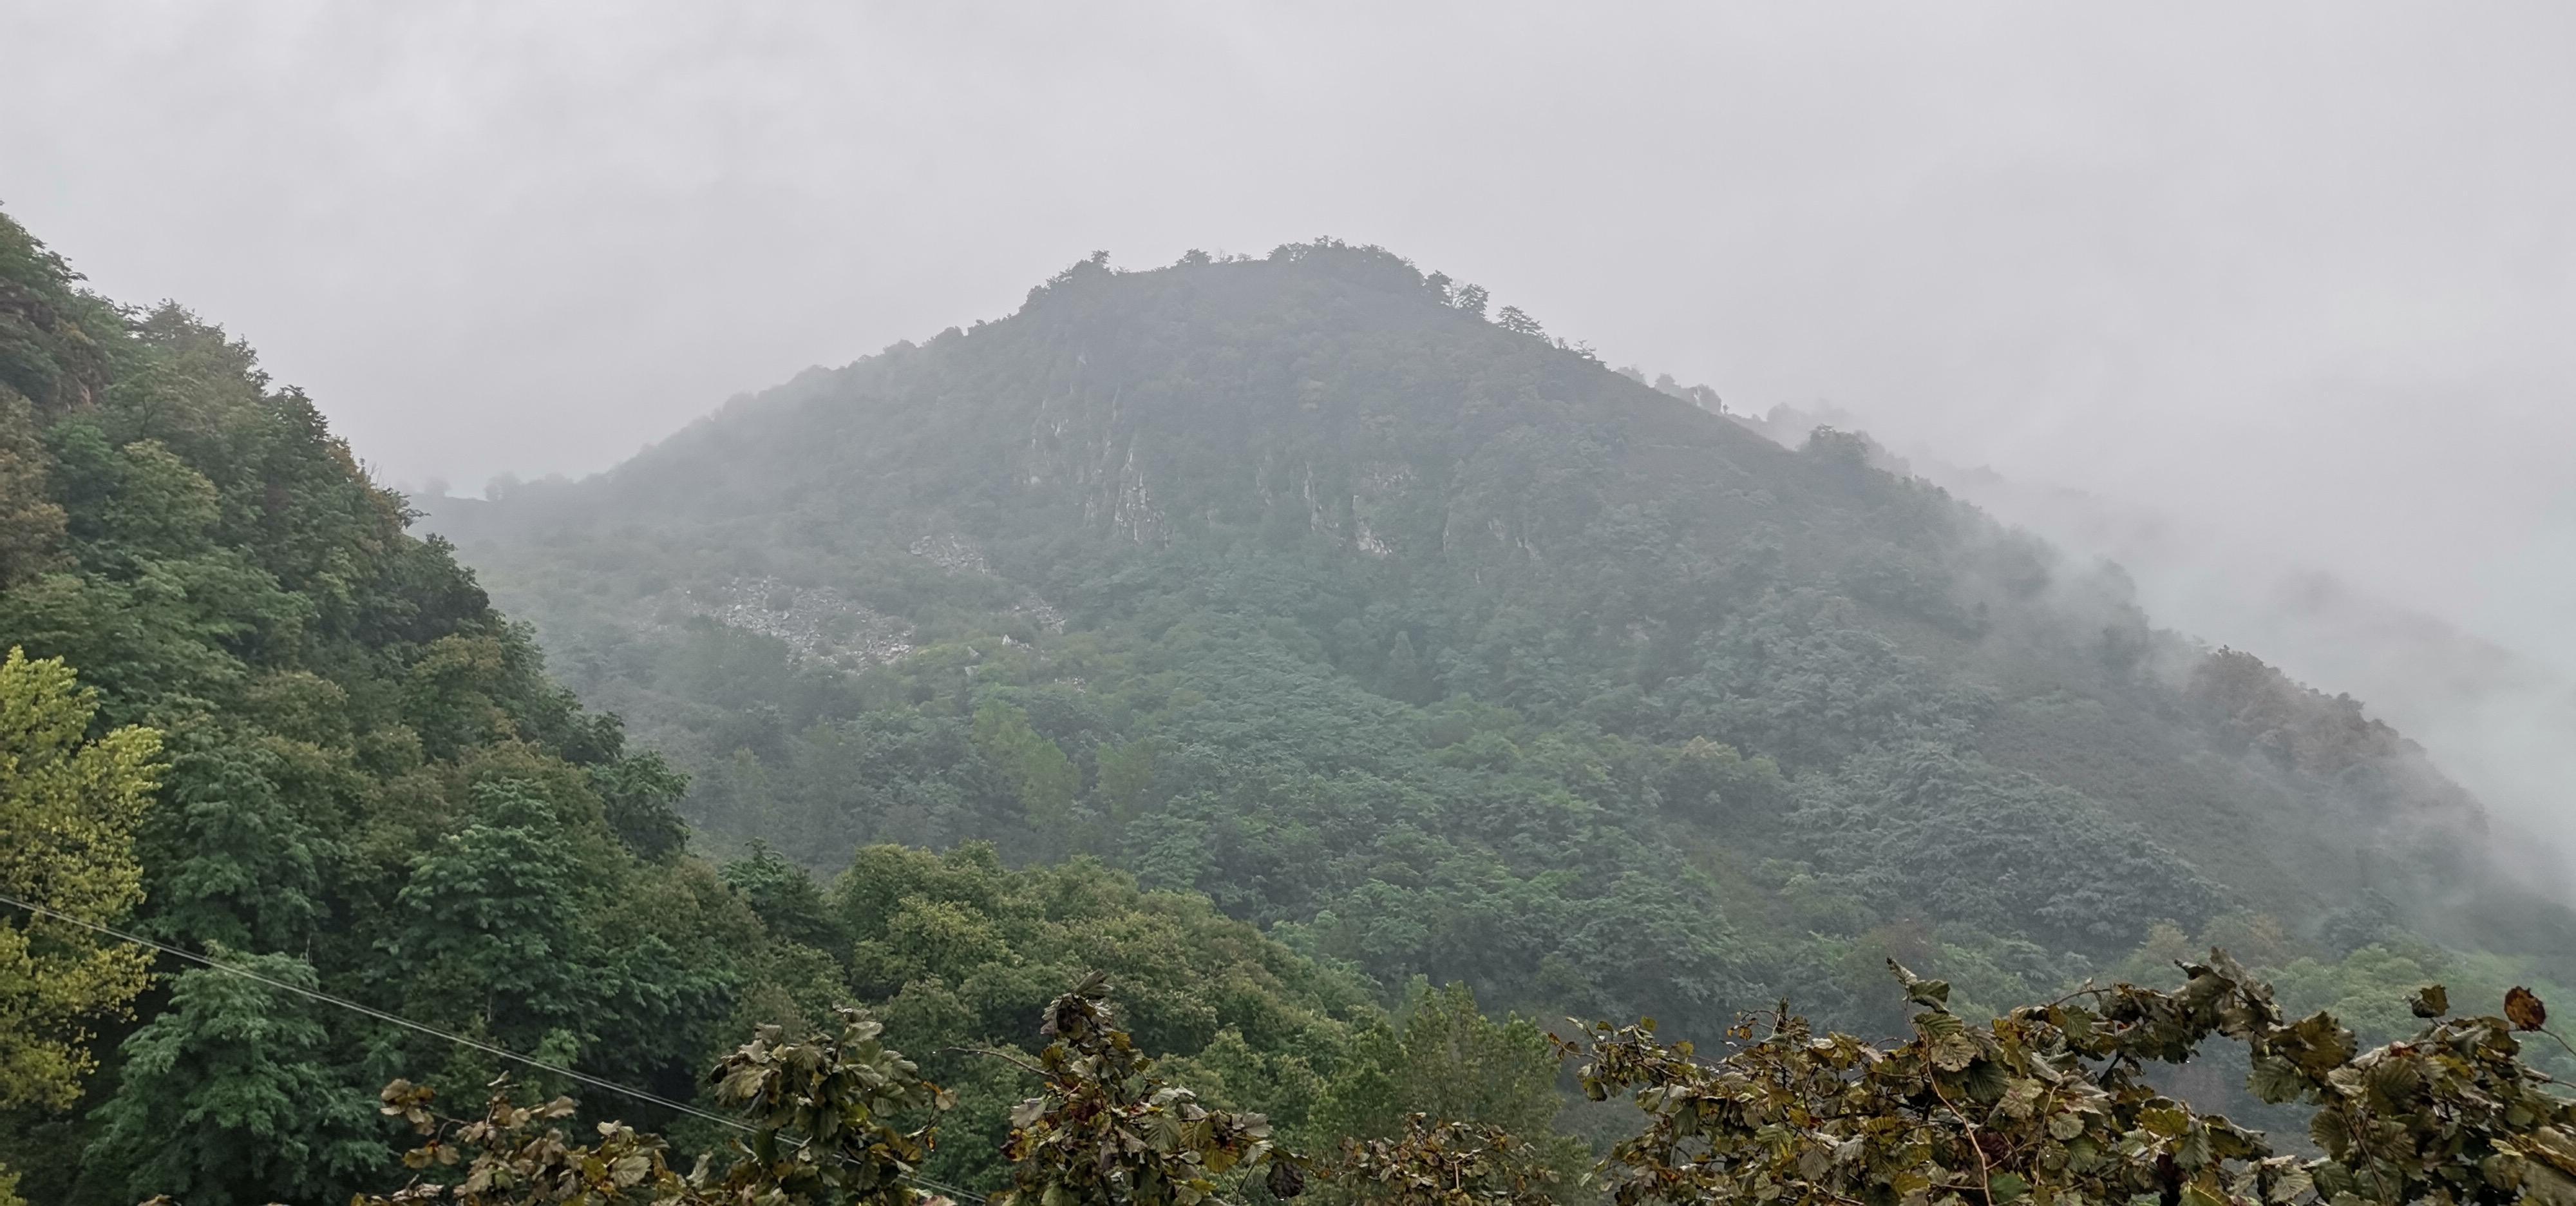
1305, 583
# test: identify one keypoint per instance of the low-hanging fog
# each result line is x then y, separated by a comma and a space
2271, 303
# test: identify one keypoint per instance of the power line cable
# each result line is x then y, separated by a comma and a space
432, 1031
378, 1014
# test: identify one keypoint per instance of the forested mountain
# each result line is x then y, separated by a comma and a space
1280, 647
245, 712
1431, 646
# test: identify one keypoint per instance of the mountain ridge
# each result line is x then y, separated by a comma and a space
1327, 472
367, 786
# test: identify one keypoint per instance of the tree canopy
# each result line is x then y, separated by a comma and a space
1434, 647
1347, 677
303, 742
68, 810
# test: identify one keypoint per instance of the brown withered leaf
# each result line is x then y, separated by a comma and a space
2522, 1007
1285, 1179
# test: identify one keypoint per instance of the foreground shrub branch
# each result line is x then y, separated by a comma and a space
2049, 1105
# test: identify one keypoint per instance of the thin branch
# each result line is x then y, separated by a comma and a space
1004, 1056
1985, 1171
2090, 989
2553, 1037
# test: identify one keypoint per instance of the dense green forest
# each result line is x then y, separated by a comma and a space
1434, 647
1347, 685
247, 713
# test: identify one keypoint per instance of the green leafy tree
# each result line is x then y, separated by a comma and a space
1407, 677
787, 899
494, 929
1449, 1062
1518, 322
332, 689
641, 795
68, 810
956, 952
241, 865
1106, 1129
1040, 775
30, 521
1125, 781
154, 503
230, 1097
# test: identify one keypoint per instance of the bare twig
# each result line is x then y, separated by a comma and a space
1985, 1171
1004, 1056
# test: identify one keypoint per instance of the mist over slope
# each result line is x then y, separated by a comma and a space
2492, 712
1436, 647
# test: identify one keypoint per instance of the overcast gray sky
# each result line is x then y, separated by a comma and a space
2301, 273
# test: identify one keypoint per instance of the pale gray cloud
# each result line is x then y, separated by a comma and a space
2302, 272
